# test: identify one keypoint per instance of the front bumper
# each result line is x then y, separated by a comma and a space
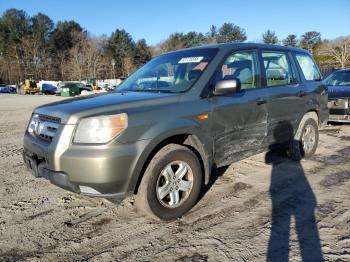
339, 118
39, 169
103, 171
339, 115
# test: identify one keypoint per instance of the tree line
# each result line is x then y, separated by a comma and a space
36, 47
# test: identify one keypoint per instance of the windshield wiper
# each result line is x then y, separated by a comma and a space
148, 90
158, 90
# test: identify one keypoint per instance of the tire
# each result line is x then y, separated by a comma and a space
157, 195
305, 144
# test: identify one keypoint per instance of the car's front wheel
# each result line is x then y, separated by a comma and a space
171, 184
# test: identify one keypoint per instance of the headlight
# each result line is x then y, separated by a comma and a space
33, 124
342, 103
347, 103
101, 129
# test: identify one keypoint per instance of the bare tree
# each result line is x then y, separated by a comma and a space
62, 63
127, 66
105, 68
78, 60
93, 51
31, 55
85, 57
338, 50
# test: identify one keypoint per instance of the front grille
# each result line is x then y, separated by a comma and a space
46, 127
50, 119
339, 111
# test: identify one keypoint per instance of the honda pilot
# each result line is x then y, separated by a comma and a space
159, 135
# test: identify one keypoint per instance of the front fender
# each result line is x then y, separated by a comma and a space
165, 131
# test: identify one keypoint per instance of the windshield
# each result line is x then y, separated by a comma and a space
173, 73
338, 79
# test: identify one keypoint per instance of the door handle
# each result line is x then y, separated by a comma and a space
301, 94
261, 100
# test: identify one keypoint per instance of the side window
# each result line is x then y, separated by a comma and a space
308, 66
277, 68
242, 66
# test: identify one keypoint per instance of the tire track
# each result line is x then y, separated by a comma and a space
10, 151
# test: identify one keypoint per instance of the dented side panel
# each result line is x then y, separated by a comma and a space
239, 124
284, 105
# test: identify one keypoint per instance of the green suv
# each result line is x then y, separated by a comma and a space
160, 134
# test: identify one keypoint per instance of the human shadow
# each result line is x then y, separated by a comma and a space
291, 196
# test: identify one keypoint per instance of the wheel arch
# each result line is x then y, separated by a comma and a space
312, 113
188, 139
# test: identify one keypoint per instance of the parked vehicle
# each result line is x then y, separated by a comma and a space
12, 89
5, 89
106, 87
83, 87
73, 88
159, 135
339, 95
28, 86
92, 83
49, 89
111, 88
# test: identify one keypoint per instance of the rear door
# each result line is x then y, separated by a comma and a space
285, 102
239, 120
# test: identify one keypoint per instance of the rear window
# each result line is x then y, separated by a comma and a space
308, 67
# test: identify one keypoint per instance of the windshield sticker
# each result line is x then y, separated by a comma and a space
194, 59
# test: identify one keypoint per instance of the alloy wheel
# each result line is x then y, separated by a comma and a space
174, 184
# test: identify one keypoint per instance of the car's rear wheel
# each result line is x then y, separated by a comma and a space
305, 144
171, 183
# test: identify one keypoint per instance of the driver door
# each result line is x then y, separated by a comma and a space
239, 120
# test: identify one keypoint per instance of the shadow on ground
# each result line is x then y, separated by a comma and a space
291, 196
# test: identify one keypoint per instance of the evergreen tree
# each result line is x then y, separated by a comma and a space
269, 37
291, 40
229, 32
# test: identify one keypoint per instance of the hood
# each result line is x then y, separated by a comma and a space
70, 110
335, 92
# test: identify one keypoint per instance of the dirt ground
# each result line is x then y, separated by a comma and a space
254, 210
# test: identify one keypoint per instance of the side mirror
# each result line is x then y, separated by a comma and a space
223, 87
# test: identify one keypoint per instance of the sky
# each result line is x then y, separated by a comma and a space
155, 20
